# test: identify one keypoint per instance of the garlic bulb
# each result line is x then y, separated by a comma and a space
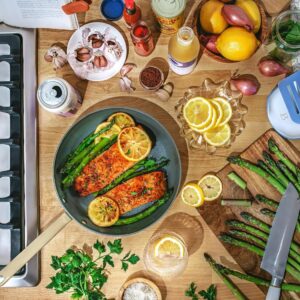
57, 56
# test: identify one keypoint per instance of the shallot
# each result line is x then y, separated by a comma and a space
270, 67
247, 84
236, 16
211, 44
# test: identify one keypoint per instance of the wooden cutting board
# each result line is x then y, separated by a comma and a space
216, 215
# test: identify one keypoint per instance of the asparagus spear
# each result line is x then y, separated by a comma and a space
249, 228
273, 166
236, 202
267, 201
274, 204
232, 287
255, 231
263, 165
237, 180
271, 214
240, 243
292, 178
147, 166
247, 236
71, 163
254, 168
86, 142
281, 156
147, 212
104, 144
257, 280
265, 227
262, 244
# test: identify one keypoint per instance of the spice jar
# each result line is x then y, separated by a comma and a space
151, 78
142, 39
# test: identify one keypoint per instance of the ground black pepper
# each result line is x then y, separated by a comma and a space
151, 77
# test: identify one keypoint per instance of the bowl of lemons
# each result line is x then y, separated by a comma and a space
223, 34
211, 116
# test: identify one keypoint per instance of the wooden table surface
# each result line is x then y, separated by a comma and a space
51, 129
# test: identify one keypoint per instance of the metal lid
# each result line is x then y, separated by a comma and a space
168, 8
112, 9
52, 93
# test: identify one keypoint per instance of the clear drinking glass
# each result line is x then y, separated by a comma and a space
163, 263
284, 41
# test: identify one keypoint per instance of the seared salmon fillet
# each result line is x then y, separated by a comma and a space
139, 190
101, 171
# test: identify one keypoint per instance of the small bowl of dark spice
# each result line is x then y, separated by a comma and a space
151, 78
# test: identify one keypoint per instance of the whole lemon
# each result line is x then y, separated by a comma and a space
236, 43
252, 10
211, 18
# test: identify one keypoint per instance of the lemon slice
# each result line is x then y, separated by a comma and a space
218, 136
219, 110
211, 186
122, 120
169, 246
209, 126
114, 130
198, 112
192, 195
226, 108
103, 211
134, 143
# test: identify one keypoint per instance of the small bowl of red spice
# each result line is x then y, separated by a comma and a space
151, 78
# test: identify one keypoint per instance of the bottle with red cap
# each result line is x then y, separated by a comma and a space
131, 13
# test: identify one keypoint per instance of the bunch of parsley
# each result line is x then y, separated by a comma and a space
209, 294
83, 276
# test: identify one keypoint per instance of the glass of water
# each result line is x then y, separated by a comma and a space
166, 254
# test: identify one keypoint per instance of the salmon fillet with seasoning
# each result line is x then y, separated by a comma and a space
101, 171
139, 190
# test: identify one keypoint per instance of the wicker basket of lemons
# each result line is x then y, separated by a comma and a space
230, 32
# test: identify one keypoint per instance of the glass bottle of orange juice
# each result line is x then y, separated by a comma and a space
183, 51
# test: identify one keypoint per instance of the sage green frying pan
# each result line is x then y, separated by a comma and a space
76, 207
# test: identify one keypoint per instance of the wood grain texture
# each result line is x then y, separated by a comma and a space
51, 128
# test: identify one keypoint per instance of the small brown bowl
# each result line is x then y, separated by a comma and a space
261, 35
139, 280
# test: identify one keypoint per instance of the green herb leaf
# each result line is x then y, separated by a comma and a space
191, 291
100, 247
116, 246
210, 293
133, 193
124, 266
133, 259
55, 262
129, 258
108, 260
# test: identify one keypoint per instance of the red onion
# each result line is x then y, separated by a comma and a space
211, 44
270, 67
247, 84
236, 16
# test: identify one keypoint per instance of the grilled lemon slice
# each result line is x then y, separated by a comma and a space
103, 211
122, 120
134, 143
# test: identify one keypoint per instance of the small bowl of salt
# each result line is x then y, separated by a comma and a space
139, 289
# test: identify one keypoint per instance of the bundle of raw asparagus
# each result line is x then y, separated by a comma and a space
252, 234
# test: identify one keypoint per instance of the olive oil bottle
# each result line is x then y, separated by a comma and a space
183, 51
